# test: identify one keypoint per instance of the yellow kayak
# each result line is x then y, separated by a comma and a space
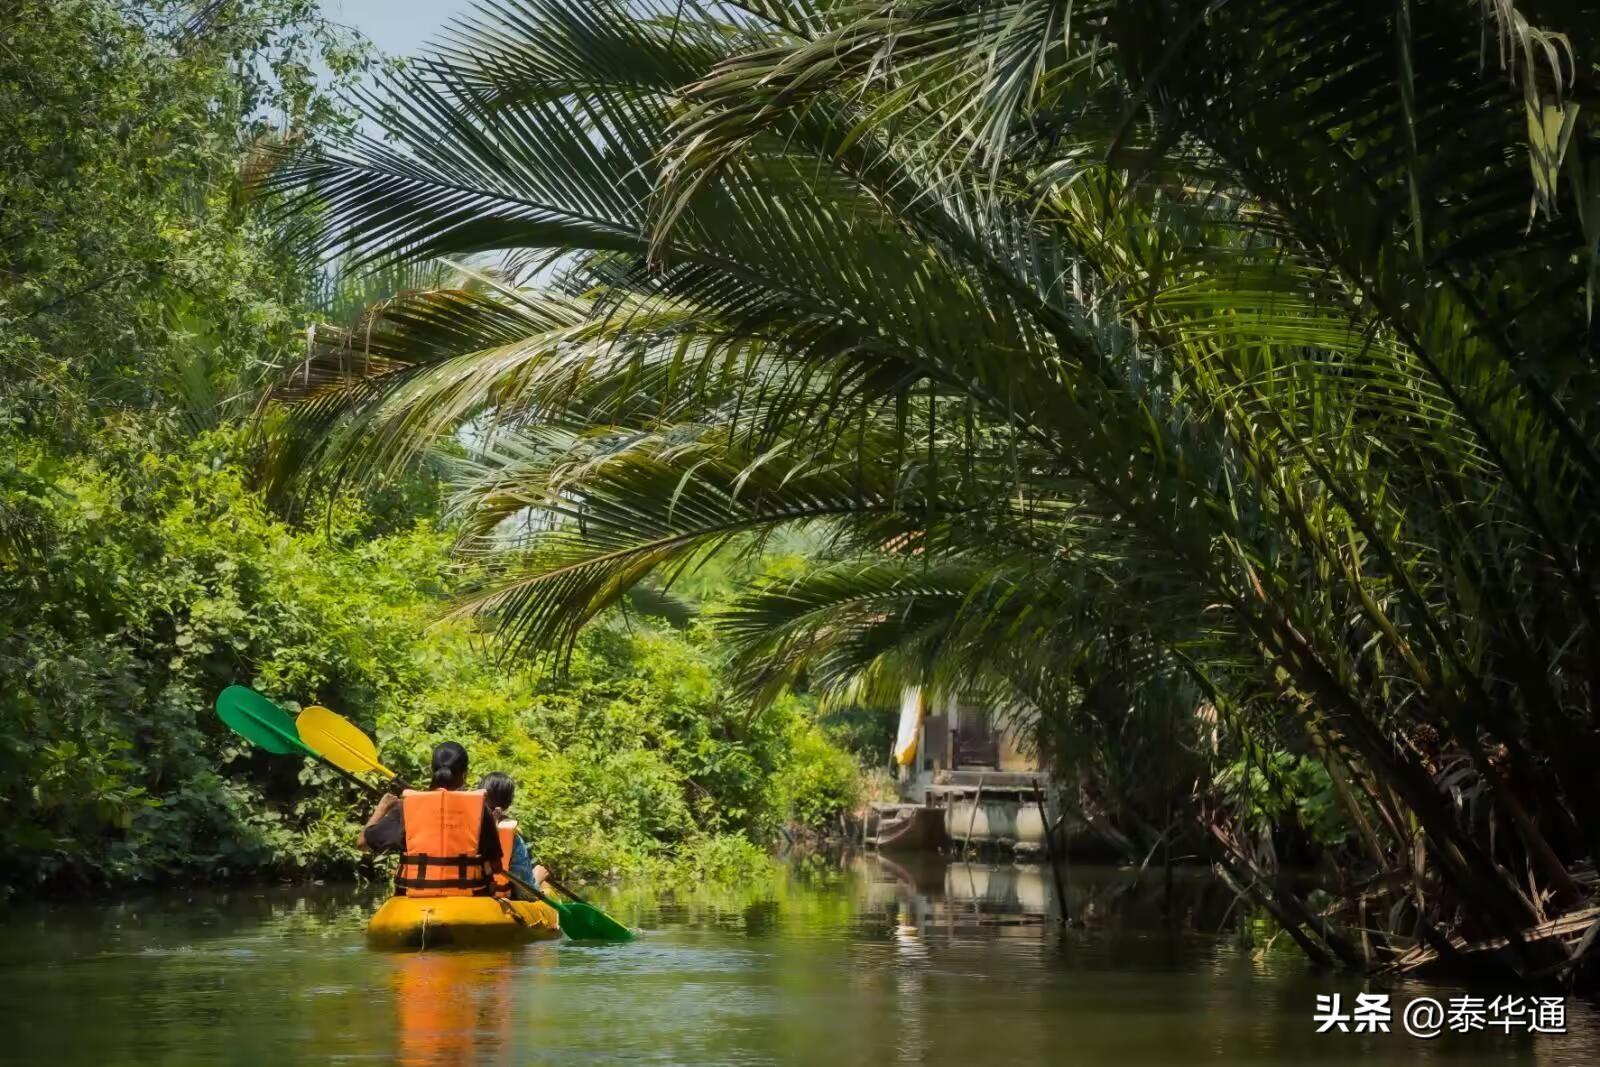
460, 922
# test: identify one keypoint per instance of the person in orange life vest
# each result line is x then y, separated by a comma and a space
446, 836
499, 790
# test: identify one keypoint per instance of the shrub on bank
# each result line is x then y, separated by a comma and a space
153, 580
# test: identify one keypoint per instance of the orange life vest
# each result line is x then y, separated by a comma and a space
507, 829
442, 857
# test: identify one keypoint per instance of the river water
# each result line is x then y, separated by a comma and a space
859, 962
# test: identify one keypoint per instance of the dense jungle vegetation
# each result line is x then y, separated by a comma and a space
148, 297
1209, 385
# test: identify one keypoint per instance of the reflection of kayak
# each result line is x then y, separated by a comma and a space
454, 1008
460, 922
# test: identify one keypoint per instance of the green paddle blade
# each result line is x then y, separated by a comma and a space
259, 721
585, 922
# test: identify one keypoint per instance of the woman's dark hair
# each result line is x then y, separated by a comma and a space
498, 789
449, 766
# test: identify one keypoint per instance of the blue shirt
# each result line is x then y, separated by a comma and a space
521, 865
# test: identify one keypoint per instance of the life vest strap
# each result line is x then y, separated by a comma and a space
440, 883
468, 871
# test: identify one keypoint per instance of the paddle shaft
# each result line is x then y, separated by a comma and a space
365, 785
567, 892
393, 787
525, 887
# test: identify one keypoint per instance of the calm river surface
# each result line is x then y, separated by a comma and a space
870, 963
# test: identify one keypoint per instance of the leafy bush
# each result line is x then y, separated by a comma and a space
726, 859
142, 296
865, 732
159, 579
818, 782
1282, 787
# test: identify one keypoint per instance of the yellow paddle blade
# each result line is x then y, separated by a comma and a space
340, 741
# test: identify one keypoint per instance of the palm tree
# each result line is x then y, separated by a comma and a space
1120, 355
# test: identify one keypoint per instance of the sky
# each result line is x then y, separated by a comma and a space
396, 27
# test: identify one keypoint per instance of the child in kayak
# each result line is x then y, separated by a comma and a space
499, 791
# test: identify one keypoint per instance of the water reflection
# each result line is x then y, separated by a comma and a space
452, 1007
862, 960
960, 895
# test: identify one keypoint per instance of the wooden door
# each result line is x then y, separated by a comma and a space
974, 739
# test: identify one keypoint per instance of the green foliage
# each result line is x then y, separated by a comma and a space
634, 752
166, 578
726, 860
1282, 787
134, 274
163, 578
146, 282
819, 781
865, 732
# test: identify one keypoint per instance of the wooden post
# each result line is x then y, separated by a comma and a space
1050, 853
967, 844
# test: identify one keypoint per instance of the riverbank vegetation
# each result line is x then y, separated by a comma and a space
1208, 384
146, 299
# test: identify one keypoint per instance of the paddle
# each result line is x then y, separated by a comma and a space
580, 920
551, 880
344, 744
260, 721
268, 726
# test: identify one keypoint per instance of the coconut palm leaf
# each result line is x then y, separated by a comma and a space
1116, 354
